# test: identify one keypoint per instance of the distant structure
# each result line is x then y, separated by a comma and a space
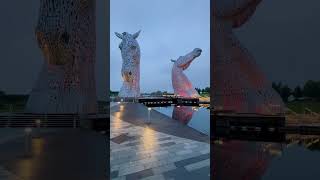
180, 83
130, 70
66, 35
238, 83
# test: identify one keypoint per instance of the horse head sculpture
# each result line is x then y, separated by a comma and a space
130, 71
181, 84
66, 35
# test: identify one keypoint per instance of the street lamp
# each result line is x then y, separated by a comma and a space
149, 110
37, 130
38, 122
28, 131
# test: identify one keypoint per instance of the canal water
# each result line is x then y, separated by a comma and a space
296, 158
196, 117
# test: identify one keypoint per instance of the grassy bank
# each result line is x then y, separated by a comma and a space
299, 106
13, 103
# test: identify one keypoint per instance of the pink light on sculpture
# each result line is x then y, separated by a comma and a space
238, 83
180, 83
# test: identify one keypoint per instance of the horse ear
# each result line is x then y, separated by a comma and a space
173, 60
135, 35
119, 35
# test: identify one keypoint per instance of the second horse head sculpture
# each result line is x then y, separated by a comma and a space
180, 83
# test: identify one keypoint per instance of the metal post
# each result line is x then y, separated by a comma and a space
37, 129
149, 120
28, 141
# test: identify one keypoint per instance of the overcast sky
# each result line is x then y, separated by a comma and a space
169, 29
284, 38
282, 35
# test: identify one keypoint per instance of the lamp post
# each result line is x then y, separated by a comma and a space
38, 125
149, 110
27, 141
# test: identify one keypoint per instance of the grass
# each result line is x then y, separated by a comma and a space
13, 103
299, 106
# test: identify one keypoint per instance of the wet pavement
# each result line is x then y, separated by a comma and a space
55, 154
137, 114
159, 150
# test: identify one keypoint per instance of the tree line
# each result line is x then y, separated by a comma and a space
204, 90
311, 89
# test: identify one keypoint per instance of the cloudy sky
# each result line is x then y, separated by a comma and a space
169, 29
284, 38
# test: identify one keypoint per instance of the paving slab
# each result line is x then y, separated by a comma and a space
64, 154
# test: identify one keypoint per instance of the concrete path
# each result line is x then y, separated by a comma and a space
140, 151
137, 114
71, 154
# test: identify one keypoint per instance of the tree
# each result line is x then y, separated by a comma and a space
207, 89
285, 92
277, 87
312, 89
198, 90
156, 93
2, 93
297, 93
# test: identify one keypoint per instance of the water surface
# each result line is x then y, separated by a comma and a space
195, 117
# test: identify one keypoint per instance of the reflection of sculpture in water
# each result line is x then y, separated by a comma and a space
130, 70
242, 160
181, 84
238, 82
67, 37
182, 114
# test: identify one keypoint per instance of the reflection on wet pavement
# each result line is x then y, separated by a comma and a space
139, 152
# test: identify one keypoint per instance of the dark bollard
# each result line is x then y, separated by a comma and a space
28, 141
36, 133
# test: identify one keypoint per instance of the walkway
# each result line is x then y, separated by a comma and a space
55, 154
137, 114
140, 151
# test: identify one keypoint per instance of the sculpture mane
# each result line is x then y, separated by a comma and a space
67, 37
130, 71
180, 83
